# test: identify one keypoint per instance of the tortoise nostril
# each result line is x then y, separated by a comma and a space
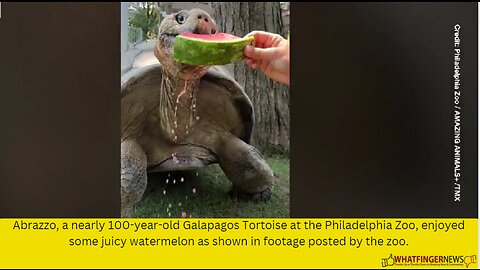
213, 31
206, 19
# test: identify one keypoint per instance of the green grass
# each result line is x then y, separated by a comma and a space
211, 198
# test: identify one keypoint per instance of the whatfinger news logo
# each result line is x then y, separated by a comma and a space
448, 260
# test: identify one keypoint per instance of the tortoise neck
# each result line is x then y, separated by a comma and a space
175, 85
177, 106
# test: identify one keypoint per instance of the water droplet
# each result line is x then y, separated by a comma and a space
169, 205
196, 173
174, 181
183, 214
181, 179
179, 204
169, 214
198, 117
164, 192
166, 182
174, 158
194, 190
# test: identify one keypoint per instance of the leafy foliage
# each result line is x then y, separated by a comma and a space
146, 17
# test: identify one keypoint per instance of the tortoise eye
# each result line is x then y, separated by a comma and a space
179, 18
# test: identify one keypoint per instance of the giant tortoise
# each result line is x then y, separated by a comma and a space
182, 117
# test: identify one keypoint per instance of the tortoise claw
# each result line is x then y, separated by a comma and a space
263, 196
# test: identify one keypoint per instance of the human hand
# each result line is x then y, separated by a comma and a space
271, 54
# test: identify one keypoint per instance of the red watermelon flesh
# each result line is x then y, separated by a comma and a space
223, 37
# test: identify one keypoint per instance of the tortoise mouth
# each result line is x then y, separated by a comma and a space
199, 29
164, 52
196, 30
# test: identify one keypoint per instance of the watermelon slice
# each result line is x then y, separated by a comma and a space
209, 50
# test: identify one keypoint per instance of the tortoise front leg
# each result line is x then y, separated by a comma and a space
133, 175
251, 176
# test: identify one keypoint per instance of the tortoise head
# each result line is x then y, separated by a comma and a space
194, 21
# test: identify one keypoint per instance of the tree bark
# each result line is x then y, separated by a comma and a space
271, 100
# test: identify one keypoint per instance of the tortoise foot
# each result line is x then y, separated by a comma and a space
263, 196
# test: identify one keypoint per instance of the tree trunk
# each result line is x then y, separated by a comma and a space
270, 99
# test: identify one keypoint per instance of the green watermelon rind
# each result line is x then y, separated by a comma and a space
193, 51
